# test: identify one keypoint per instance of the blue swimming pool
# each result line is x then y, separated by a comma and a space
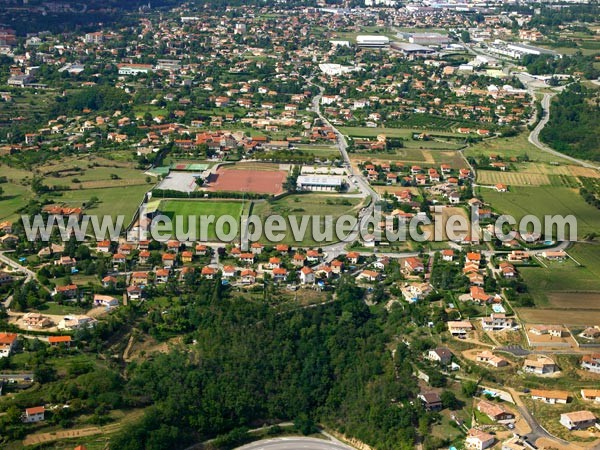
498, 309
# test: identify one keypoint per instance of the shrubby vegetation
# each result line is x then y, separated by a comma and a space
251, 365
574, 125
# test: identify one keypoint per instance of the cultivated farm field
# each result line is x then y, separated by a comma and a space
492, 177
544, 200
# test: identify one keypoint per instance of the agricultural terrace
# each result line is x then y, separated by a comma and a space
115, 185
186, 208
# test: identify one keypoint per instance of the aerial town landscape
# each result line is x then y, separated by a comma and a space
458, 141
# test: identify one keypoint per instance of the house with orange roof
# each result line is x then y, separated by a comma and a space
56, 341
208, 272
168, 260
8, 342
248, 276
34, 415
279, 274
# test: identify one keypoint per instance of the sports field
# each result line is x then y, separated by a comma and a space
545, 200
183, 209
240, 179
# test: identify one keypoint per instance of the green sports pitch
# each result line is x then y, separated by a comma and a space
183, 209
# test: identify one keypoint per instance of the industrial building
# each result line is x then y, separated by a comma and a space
319, 183
412, 49
364, 41
429, 39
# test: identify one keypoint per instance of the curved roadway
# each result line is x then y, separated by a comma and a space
295, 443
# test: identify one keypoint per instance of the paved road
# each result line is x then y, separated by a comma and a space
9, 262
357, 177
295, 443
535, 135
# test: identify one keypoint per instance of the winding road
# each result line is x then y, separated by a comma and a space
534, 136
295, 443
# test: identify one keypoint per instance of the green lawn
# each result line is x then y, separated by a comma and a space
389, 132
565, 275
309, 204
321, 151
545, 200
517, 146
187, 208
112, 201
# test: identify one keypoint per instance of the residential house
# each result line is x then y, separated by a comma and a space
34, 415
591, 333
368, 275
248, 276
578, 420
479, 440
256, 248
459, 328
591, 394
105, 300
139, 278
161, 275
298, 260
497, 322
413, 265
507, 270
119, 258
187, 256
440, 355
554, 255
282, 248
448, 255
539, 365
247, 258
413, 292
313, 256
8, 342
36, 321
495, 411
337, 266
134, 292
274, 262
353, 257
143, 257
168, 260
70, 291
488, 357
103, 246
229, 271
76, 322
307, 275
59, 341
550, 396
431, 401
279, 274
208, 272
591, 362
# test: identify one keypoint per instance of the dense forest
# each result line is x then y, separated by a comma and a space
574, 125
250, 364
